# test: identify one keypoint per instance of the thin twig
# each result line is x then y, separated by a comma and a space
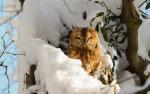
10, 18
14, 53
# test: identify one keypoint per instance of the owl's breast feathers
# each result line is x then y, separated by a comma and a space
91, 59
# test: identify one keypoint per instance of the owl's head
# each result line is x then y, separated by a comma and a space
84, 38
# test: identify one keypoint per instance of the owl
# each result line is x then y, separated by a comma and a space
84, 45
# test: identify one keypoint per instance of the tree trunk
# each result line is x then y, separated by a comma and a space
130, 18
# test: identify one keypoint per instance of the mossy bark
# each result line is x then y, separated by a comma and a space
130, 17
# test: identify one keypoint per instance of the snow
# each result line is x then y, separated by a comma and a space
129, 85
114, 6
63, 75
108, 60
42, 21
65, 71
144, 44
143, 38
147, 71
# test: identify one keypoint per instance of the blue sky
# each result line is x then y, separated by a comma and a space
9, 60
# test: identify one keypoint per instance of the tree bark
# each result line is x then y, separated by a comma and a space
130, 17
30, 78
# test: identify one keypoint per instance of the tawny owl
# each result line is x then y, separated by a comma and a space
84, 45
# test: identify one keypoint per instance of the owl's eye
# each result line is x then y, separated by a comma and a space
88, 39
79, 38
78, 42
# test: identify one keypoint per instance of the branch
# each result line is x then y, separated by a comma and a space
10, 18
6, 73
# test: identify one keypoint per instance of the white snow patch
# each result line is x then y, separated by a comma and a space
128, 83
143, 43
63, 75
148, 92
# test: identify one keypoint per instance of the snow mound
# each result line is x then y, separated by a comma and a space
63, 75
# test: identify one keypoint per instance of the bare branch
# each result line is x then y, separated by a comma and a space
10, 18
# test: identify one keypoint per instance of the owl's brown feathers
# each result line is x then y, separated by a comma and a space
84, 45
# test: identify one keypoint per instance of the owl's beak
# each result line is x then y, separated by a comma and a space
84, 45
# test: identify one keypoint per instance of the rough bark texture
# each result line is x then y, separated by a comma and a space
30, 78
130, 17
